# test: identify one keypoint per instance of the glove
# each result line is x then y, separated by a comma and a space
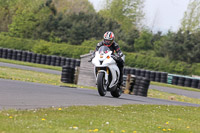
90, 59
115, 57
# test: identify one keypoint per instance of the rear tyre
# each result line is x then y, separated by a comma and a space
117, 92
101, 84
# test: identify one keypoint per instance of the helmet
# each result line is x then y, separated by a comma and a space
108, 38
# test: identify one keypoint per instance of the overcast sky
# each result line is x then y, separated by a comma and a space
160, 14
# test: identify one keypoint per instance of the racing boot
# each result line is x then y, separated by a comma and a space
121, 69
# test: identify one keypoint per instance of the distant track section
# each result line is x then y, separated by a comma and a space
30, 68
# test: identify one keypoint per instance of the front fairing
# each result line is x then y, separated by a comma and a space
103, 57
103, 60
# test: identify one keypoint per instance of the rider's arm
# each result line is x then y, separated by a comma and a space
93, 54
118, 51
97, 48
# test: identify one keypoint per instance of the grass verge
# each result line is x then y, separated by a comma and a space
32, 76
170, 96
45, 78
103, 119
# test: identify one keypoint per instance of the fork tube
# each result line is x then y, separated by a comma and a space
107, 70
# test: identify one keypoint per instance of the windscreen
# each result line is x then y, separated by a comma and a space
103, 49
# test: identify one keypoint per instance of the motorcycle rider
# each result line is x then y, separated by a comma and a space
108, 40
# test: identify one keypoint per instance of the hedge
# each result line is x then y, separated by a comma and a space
142, 61
161, 64
16, 43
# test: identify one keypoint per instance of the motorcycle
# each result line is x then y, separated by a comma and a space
106, 72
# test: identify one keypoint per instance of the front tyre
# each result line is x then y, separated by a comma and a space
101, 84
117, 92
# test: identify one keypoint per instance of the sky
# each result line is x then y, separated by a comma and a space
160, 15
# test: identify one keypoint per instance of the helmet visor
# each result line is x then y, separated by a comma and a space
107, 42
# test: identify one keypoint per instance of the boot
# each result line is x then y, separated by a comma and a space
121, 69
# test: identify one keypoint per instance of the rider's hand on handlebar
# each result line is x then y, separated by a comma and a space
115, 57
91, 59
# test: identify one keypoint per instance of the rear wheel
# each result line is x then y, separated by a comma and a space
117, 92
101, 84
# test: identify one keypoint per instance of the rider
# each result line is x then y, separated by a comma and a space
109, 42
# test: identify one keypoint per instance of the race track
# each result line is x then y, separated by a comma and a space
26, 95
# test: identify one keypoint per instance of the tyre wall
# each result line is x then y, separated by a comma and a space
164, 77
27, 56
67, 75
139, 86
69, 65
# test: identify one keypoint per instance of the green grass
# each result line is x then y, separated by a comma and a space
170, 96
103, 119
32, 76
45, 78
31, 64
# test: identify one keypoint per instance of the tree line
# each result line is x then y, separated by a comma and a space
73, 22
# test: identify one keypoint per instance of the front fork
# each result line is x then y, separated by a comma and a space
105, 72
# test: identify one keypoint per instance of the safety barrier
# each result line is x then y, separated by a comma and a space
164, 77
151, 75
67, 75
185, 81
69, 65
27, 56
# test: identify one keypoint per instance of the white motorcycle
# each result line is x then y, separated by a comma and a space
106, 72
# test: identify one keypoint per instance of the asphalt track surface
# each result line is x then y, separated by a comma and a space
26, 95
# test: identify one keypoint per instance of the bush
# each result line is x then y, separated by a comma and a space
42, 47
90, 43
47, 48
144, 41
161, 64
16, 43
62, 49
196, 68
125, 47
69, 50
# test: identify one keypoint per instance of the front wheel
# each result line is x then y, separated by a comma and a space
101, 84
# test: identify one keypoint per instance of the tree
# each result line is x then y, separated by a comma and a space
28, 15
73, 6
184, 46
75, 28
191, 19
144, 41
7, 10
128, 13
131, 36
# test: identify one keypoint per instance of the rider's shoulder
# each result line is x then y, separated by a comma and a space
115, 44
100, 44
